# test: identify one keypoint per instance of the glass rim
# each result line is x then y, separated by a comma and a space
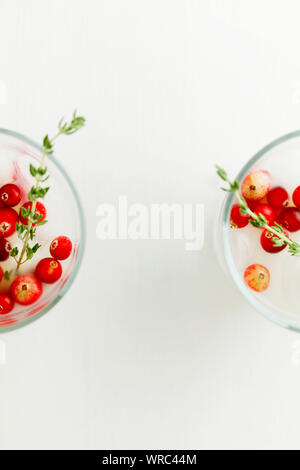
225, 234
82, 229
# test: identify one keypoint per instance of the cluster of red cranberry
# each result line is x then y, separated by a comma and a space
275, 206
27, 288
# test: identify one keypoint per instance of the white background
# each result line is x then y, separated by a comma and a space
152, 347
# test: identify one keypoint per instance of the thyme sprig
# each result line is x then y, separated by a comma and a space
280, 238
7, 275
27, 233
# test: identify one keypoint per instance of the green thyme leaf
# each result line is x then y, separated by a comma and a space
294, 249
42, 171
29, 252
222, 173
7, 275
262, 219
36, 217
278, 241
255, 222
235, 186
42, 192
32, 233
42, 222
36, 247
32, 170
276, 226
47, 144
25, 212
14, 252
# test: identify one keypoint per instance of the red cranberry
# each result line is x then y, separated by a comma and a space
237, 219
10, 195
290, 219
257, 277
267, 211
256, 185
278, 197
6, 304
296, 197
48, 270
8, 219
5, 248
61, 247
26, 289
39, 209
266, 241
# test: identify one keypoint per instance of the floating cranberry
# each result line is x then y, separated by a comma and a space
252, 204
8, 219
6, 304
5, 248
237, 219
256, 185
278, 197
26, 289
267, 243
296, 197
257, 277
48, 270
267, 211
40, 209
10, 195
61, 246
290, 219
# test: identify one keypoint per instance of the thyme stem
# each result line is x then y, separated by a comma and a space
29, 226
27, 232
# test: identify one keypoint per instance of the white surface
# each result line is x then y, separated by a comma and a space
152, 347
